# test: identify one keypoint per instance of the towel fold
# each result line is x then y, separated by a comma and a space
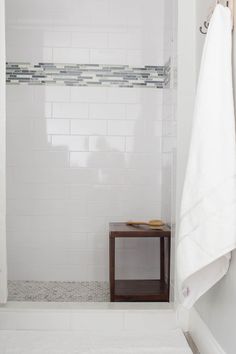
207, 229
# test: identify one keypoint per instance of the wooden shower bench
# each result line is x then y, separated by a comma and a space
143, 289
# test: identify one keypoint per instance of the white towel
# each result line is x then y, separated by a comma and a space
207, 230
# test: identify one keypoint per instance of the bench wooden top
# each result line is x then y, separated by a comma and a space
121, 229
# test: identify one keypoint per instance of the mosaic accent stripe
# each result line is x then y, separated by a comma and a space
87, 75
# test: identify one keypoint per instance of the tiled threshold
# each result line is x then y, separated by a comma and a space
87, 316
132, 328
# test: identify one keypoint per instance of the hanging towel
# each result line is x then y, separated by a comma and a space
207, 229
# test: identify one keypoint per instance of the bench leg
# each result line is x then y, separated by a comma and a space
112, 268
162, 259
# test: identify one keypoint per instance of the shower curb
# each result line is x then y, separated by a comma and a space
88, 317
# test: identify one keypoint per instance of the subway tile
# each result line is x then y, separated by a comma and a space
168, 144
56, 39
24, 142
53, 223
51, 93
107, 111
29, 110
154, 128
71, 143
111, 176
61, 176
149, 192
142, 160
80, 159
108, 56
97, 273
23, 271
70, 110
151, 211
80, 176
88, 94
89, 127
107, 192
122, 95
89, 40
102, 208
18, 93
70, 55
59, 272
18, 126
135, 176
80, 192
86, 256
29, 174
128, 40
38, 240
137, 13
66, 257
46, 207
27, 37
169, 128
17, 142
99, 193
123, 127
148, 110
37, 190
77, 224
38, 158
97, 159
97, 241
32, 255
25, 54
151, 97
57, 126
145, 144
89, 18
20, 223
144, 252
106, 143
147, 57
135, 111
69, 241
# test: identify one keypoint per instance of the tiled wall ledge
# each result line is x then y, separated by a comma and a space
87, 75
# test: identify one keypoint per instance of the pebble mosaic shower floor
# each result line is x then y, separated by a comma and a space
53, 291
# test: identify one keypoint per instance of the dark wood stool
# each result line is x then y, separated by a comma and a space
140, 290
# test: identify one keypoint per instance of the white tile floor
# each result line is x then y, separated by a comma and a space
68, 342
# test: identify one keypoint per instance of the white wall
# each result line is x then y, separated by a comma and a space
169, 129
186, 90
78, 158
218, 307
3, 270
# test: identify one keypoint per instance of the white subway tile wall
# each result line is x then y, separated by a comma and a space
80, 157
169, 130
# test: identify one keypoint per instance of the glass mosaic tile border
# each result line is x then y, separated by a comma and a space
87, 75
